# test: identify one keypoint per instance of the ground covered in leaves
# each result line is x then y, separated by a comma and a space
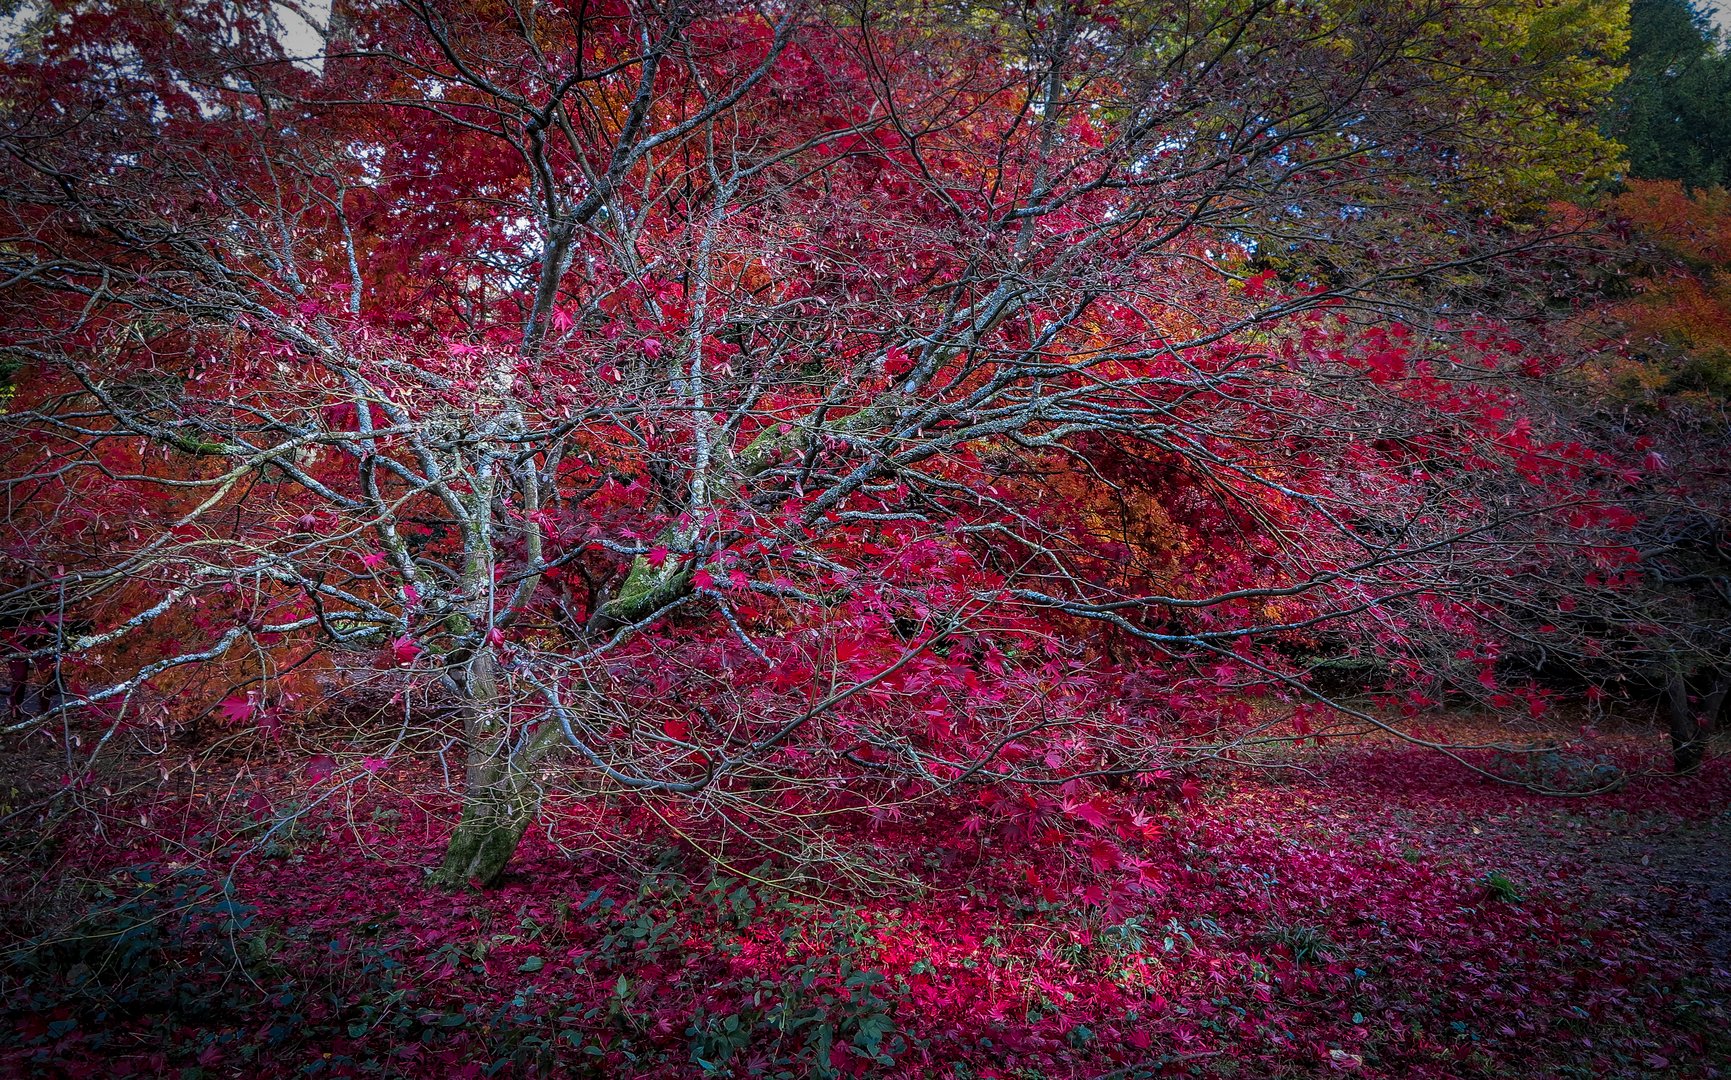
1381, 912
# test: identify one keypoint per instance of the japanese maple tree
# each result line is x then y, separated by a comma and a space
774, 406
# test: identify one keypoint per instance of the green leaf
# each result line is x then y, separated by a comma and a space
871, 1031
534, 963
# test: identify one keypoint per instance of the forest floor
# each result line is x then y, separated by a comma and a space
1677, 870
1378, 910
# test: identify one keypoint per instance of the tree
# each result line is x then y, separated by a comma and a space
1655, 391
783, 409
1671, 112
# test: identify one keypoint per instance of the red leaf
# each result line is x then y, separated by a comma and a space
1386, 366
320, 768
1089, 811
236, 710
1256, 286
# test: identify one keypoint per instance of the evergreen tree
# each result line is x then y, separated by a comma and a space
1674, 110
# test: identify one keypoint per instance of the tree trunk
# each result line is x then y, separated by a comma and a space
496, 813
500, 796
1687, 743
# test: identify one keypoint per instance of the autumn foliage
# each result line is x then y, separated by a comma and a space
720, 441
